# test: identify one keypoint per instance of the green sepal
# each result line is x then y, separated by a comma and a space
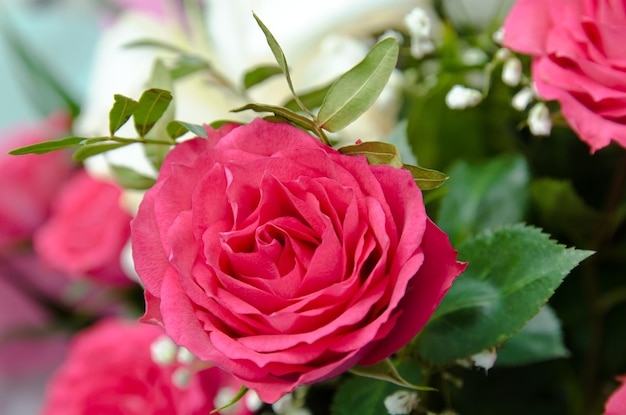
176, 129
426, 179
376, 152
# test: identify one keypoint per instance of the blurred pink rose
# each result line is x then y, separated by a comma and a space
109, 371
616, 404
283, 261
578, 60
86, 232
28, 290
157, 8
28, 183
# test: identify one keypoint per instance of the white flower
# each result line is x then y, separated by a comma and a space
401, 402
512, 71
418, 23
474, 56
184, 356
498, 36
522, 98
539, 120
485, 359
181, 377
460, 97
163, 351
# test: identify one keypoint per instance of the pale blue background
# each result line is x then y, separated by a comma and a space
62, 33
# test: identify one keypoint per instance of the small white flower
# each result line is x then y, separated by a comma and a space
539, 120
512, 71
401, 402
523, 98
418, 23
253, 402
485, 359
460, 97
503, 54
421, 47
184, 356
181, 377
163, 351
474, 56
498, 36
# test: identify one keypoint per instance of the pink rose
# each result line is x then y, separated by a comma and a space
109, 371
283, 261
578, 60
28, 183
87, 231
616, 405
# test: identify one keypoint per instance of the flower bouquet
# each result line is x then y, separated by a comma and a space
335, 222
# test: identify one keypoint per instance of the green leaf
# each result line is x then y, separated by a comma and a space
558, 206
512, 272
131, 179
260, 74
540, 339
385, 370
365, 396
177, 128
48, 146
356, 90
122, 110
280, 59
426, 179
281, 112
188, 64
151, 106
92, 149
155, 44
484, 195
376, 152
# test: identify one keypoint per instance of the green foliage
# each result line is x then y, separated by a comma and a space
385, 370
120, 113
176, 129
87, 151
356, 90
130, 179
540, 339
260, 74
511, 274
484, 195
150, 108
365, 396
48, 146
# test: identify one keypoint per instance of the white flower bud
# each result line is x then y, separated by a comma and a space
512, 71
539, 120
163, 351
523, 98
401, 402
503, 54
418, 23
474, 56
485, 359
421, 47
253, 402
460, 97
180, 377
184, 356
498, 36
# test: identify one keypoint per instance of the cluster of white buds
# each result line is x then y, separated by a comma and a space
418, 25
539, 120
401, 402
461, 97
485, 359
